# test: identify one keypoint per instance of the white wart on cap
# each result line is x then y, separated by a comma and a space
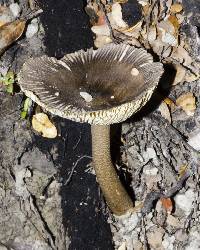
101, 86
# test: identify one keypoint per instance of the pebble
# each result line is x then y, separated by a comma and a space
173, 221
194, 241
123, 246
181, 235
100, 41
101, 30
150, 153
194, 140
32, 28
150, 171
168, 242
155, 237
117, 15
15, 9
185, 201
6, 15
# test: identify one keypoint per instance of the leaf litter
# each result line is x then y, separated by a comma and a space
159, 143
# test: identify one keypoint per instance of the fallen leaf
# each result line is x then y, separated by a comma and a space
182, 170
91, 9
167, 26
6, 15
176, 8
100, 41
143, 2
121, 1
168, 38
8, 81
190, 77
180, 74
158, 46
101, 30
42, 124
164, 110
152, 34
172, 221
117, 15
169, 101
10, 32
174, 21
155, 237
180, 18
187, 103
168, 3
101, 20
181, 55
135, 29
122, 246
26, 106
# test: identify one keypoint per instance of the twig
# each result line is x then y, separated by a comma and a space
153, 196
79, 139
115, 40
158, 118
31, 14
145, 244
73, 168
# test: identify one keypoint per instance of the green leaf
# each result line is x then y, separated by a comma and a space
8, 79
9, 88
23, 114
27, 104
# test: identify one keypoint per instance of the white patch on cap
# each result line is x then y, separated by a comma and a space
134, 72
112, 97
87, 97
57, 94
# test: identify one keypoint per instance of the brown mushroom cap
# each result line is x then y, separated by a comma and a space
101, 86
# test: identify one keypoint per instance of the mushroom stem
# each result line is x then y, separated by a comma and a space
113, 191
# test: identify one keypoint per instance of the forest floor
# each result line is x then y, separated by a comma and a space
49, 197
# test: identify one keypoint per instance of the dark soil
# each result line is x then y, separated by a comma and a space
67, 29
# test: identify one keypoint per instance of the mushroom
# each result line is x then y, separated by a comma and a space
100, 87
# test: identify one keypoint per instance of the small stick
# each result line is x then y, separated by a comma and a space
73, 168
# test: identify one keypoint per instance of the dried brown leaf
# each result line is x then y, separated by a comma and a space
174, 21
181, 55
152, 34
164, 110
180, 74
100, 41
10, 32
187, 103
42, 124
176, 8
